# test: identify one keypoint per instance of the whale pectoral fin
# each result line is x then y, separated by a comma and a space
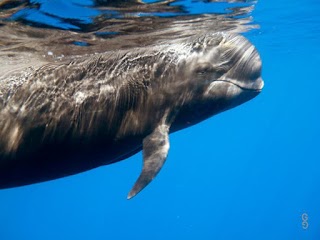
155, 151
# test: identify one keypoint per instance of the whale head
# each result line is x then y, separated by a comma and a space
223, 70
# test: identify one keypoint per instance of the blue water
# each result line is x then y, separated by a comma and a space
249, 173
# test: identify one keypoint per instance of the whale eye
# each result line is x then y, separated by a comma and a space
204, 68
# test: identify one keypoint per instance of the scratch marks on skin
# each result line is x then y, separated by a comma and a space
130, 124
11, 81
12, 136
79, 97
108, 88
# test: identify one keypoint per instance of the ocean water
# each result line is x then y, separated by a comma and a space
249, 173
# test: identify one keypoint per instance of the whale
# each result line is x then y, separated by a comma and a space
64, 118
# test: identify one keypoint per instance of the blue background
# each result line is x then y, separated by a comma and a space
249, 173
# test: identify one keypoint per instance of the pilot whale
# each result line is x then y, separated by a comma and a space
69, 117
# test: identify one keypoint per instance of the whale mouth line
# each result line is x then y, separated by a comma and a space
241, 87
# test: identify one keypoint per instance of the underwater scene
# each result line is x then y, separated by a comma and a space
166, 119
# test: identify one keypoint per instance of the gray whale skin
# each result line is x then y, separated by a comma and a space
66, 118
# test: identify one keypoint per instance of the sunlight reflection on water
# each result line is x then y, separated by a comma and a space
37, 27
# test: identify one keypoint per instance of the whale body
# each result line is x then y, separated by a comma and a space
69, 117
